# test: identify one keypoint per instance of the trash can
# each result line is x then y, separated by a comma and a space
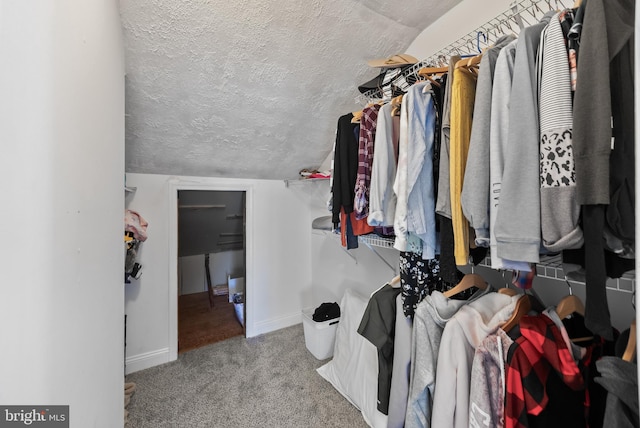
319, 337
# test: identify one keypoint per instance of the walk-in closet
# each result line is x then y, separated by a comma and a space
433, 220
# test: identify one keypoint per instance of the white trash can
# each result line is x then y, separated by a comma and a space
319, 337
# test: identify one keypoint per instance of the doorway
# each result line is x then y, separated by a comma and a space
211, 266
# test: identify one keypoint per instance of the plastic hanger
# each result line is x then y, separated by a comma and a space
523, 306
468, 281
630, 350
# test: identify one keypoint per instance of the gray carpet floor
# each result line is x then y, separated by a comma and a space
267, 381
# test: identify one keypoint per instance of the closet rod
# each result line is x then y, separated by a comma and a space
520, 13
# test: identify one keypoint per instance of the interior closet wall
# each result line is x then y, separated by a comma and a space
335, 269
192, 274
280, 237
62, 169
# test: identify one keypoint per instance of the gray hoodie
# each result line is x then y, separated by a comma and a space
620, 379
518, 222
462, 335
475, 190
429, 321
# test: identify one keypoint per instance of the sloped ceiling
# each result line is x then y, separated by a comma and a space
252, 88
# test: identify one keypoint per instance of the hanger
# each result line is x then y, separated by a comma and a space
468, 281
507, 291
357, 115
430, 71
577, 4
523, 306
395, 105
395, 281
630, 350
470, 64
570, 304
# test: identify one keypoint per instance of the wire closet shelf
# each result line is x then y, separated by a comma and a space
520, 14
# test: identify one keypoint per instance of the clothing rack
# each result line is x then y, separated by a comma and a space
520, 14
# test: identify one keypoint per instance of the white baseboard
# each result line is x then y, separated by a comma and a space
274, 324
148, 359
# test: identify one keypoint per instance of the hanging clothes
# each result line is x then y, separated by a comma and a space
378, 326
431, 316
517, 228
382, 199
475, 195
605, 177
559, 209
499, 146
544, 384
461, 336
345, 166
366, 140
420, 213
462, 100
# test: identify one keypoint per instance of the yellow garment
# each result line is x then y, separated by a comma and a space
463, 94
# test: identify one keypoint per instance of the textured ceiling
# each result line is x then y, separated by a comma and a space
251, 88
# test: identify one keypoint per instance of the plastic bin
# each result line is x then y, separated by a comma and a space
319, 337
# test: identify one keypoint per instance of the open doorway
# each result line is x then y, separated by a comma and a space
211, 266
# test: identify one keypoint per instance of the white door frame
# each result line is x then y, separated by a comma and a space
206, 184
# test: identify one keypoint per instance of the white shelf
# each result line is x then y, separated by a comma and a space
297, 181
376, 241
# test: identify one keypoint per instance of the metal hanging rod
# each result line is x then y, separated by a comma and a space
521, 13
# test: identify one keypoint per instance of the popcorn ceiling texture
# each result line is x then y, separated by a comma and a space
252, 88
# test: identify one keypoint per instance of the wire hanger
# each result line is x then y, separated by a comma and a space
506, 289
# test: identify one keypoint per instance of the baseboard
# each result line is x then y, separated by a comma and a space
274, 324
148, 359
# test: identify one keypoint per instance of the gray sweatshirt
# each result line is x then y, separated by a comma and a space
518, 223
475, 190
443, 202
620, 379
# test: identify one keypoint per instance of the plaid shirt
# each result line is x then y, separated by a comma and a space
533, 356
365, 160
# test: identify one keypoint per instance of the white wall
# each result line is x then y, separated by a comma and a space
191, 275
335, 269
62, 171
278, 280
191, 271
227, 262
465, 17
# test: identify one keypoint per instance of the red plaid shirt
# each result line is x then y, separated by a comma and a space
534, 355
368, 124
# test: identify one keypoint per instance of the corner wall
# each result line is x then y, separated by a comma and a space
62, 170
278, 262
